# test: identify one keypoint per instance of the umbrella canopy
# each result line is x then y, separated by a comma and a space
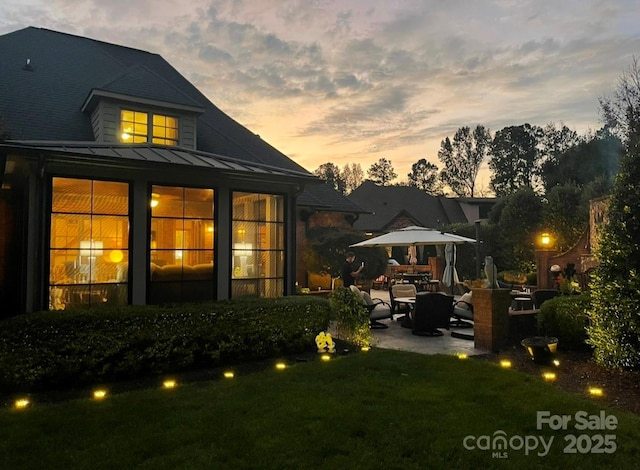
414, 236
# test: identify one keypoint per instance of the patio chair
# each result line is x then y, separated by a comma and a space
432, 311
540, 296
378, 309
401, 290
463, 311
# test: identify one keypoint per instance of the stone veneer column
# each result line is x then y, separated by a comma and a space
491, 318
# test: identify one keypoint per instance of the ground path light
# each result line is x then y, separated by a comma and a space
169, 384
505, 363
549, 376
596, 391
21, 403
100, 394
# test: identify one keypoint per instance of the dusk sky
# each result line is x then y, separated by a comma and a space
351, 81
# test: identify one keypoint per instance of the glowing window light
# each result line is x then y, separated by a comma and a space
505, 363
281, 366
325, 357
596, 391
462, 356
229, 374
169, 384
21, 403
99, 394
549, 376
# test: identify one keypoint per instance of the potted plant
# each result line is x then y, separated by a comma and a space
542, 349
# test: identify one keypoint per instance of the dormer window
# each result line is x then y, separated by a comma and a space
135, 128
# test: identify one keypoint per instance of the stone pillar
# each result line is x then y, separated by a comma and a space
491, 318
543, 264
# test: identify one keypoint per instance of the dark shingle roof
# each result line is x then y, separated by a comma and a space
324, 197
44, 101
386, 203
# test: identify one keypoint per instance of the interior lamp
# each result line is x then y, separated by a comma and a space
116, 256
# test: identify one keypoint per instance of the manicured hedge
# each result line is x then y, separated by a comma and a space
566, 318
61, 349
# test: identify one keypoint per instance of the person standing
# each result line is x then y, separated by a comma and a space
350, 269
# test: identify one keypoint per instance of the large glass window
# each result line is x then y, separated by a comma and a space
182, 239
257, 245
89, 244
134, 128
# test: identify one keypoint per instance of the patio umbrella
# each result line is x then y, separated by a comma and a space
414, 236
450, 276
420, 236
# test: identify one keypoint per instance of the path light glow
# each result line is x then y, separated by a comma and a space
365, 348
326, 357
505, 363
21, 403
556, 362
281, 366
170, 383
462, 356
229, 374
596, 391
99, 394
549, 376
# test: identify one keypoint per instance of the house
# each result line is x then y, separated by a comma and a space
123, 184
392, 207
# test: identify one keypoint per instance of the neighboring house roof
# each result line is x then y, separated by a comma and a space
325, 198
44, 99
387, 203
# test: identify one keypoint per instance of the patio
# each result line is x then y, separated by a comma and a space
399, 338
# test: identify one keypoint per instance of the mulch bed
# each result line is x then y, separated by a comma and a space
577, 372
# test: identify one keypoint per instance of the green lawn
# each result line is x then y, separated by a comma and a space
377, 410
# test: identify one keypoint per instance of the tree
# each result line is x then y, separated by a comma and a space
566, 214
554, 142
330, 173
462, 158
584, 162
424, 176
614, 327
514, 159
382, 172
352, 176
518, 225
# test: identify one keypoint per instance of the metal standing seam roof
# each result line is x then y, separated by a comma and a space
156, 154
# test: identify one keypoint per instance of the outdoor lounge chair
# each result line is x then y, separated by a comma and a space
463, 311
378, 309
432, 311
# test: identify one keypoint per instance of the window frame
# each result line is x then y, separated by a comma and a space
151, 137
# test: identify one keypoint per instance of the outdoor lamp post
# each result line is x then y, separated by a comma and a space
545, 240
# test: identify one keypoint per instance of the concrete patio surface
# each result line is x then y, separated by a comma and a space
399, 338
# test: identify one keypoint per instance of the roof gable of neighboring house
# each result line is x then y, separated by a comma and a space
387, 203
323, 197
48, 97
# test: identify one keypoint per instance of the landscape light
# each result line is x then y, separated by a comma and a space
462, 356
281, 366
170, 384
99, 394
505, 363
365, 348
325, 357
21, 403
229, 374
545, 239
549, 376
596, 391
556, 362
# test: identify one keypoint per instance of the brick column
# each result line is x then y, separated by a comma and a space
543, 263
491, 318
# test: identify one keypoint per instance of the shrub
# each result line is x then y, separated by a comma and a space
351, 317
565, 317
71, 348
